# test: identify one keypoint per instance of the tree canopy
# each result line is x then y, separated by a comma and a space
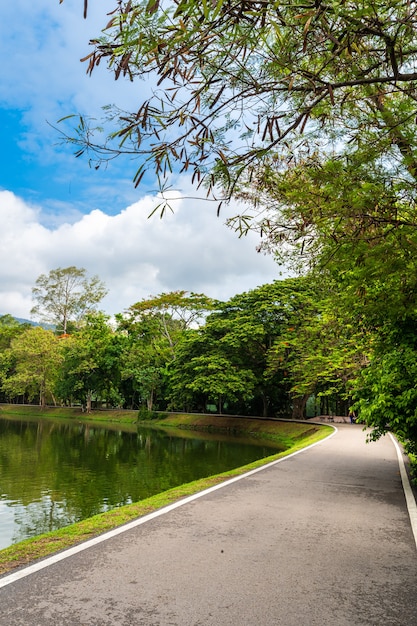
65, 295
34, 360
306, 111
244, 86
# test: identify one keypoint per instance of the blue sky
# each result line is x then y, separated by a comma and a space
55, 211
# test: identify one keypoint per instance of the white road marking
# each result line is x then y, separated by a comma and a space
36, 567
408, 492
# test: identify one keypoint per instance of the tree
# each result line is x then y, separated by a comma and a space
254, 84
65, 296
321, 352
203, 375
242, 336
153, 328
216, 378
35, 355
144, 357
304, 110
170, 313
9, 328
91, 364
385, 392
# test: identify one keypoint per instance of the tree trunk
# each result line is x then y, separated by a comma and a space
88, 402
264, 405
42, 398
299, 406
149, 400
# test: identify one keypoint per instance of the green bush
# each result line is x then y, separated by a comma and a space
145, 414
413, 468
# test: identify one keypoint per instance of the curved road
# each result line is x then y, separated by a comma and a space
321, 538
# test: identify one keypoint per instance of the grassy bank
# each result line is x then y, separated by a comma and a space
108, 417
293, 436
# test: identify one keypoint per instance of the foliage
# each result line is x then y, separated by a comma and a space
9, 328
216, 378
170, 313
65, 296
248, 85
322, 351
346, 333
153, 328
34, 357
188, 308
307, 113
91, 364
145, 414
385, 391
413, 468
236, 346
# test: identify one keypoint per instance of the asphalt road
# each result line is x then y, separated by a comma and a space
321, 538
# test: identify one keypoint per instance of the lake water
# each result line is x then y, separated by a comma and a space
55, 473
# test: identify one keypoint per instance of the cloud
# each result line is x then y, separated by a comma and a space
134, 255
44, 79
57, 212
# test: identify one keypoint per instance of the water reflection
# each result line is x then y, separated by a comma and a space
54, 473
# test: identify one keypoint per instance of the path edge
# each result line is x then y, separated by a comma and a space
408, 492
60, 556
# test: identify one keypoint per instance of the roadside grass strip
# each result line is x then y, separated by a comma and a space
75, 549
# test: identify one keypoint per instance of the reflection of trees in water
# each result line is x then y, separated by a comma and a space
59, 473
40, 517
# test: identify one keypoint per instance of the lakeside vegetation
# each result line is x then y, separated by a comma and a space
329, 173
293, 348
292, 436
304, 120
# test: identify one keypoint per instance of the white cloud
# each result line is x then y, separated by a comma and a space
46, 41
43, 77
135, 256
42, 81
85, 223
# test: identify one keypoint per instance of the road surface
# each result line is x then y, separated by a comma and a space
321, 538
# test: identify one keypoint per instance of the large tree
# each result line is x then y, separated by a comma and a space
244, 85
65, 295
239, 341
149, 343
170, 313
34, 359
305, 110
90, 370
153, 328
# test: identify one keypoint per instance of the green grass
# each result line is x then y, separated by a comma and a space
413, 468
295, 435
113, 416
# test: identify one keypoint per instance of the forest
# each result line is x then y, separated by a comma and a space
176, 351
305, 114
266, 352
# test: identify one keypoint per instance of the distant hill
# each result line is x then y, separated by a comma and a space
22, 320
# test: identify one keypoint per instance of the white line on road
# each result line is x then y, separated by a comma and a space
409, 496
31, 569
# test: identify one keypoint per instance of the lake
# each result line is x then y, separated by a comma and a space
55, 473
